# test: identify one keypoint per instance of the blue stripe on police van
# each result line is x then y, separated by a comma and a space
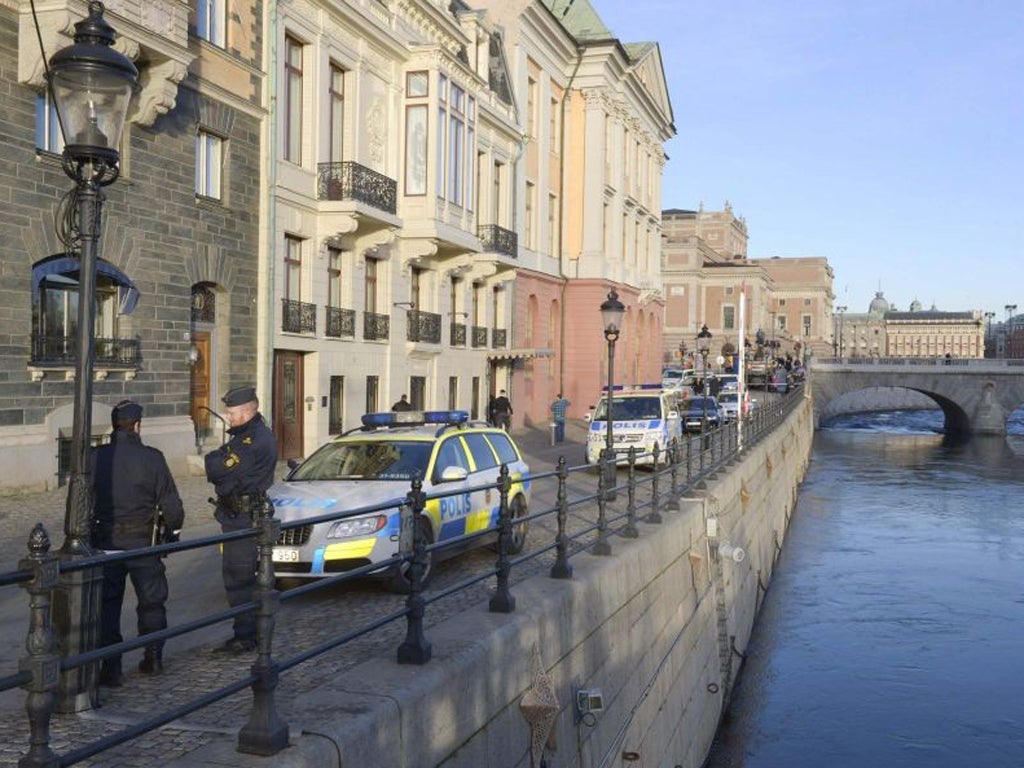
318, 561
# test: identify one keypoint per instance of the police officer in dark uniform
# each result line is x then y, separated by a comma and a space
133, 488
241, 471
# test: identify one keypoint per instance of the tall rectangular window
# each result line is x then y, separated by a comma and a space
210, 20
453, 392
728, 318
372, 393
292, 268
554, 121
418, 392
292, 100
552, 224
334, 264
531, 107
370, 286
528, 222
336, 98
807, 325
336, 410
456, 138
496, 201
48, 135
209, 156
415, 284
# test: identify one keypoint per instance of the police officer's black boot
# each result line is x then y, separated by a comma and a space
153, 662
110, 673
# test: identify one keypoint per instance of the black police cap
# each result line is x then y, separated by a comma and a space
239, 396
126, 410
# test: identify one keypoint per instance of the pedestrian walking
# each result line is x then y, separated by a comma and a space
135, 499
502, 411
241, 471
558, 409
402, 404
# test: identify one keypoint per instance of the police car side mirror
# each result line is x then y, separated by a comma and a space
453, 474
673, 414
293, 463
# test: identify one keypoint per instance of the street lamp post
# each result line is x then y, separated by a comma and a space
841, 310
1010, 309
704, 346
612, 311
91, 85
988, 332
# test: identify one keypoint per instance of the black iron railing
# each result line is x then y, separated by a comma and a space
594, 519
352, 181
423, 326
298, 316
340, 323
458, 334
495, 239
499, 338
479, 333
376, 327
63, 350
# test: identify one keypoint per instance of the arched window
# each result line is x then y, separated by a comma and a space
55, 312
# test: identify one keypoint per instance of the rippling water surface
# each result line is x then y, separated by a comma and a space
893, 632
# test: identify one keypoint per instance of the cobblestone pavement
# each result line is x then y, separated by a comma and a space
300, 624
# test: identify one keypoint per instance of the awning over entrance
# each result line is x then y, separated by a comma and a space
522, 353
67, 266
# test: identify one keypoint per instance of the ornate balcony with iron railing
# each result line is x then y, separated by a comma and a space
352, 181
298, 316
479, 335
340, 323
376, 327
495, 239
63, 351
458, 335
499, 338
423, 326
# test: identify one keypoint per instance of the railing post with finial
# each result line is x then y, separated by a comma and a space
561, 569
416, 649
503, 601
654, 516
630, 531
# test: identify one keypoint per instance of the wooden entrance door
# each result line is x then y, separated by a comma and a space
200, 383
288, 399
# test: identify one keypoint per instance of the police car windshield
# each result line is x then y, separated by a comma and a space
630, 408
370, 460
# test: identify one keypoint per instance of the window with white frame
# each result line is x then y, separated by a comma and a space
417, 89
292, 99
334, 276
292, 268
456, 143
209, 159
336, 114
552, 224
528, 222
553, 127
211, 20
728, 318
48, 134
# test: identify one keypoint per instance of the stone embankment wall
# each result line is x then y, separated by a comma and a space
658, 627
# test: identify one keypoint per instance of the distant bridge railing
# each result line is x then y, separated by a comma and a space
683, 465
960, 362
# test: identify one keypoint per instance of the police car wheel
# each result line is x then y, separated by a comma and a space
400, 581
518, 510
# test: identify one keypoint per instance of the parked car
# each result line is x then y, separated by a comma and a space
377, 464
697, 409
642, 418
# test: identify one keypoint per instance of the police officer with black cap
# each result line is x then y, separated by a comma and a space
135, 499
241, 471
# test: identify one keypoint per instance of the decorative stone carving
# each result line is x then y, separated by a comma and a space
158, 92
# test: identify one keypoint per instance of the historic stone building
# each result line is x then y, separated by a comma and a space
170, 228
705, 268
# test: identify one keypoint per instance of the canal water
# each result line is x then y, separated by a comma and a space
892, 635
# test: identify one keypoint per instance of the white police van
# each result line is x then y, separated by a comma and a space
642, 418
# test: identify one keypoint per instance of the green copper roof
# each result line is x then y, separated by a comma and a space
580, 19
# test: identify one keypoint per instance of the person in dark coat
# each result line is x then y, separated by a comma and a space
133, 488
241, 471
402, 404
502, 411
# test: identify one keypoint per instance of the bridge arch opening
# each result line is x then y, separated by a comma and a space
872, 399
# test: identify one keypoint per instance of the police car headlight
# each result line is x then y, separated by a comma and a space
357, 526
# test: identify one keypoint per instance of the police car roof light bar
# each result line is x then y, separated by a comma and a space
412, 418
615, 388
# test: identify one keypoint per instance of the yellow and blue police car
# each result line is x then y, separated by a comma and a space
458, 461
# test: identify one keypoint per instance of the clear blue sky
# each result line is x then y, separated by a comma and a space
884, 135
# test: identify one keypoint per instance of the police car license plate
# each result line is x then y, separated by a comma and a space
285, 555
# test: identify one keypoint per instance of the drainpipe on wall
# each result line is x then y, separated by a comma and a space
561, 223
265, 375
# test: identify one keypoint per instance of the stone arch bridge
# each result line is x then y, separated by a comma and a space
976, 396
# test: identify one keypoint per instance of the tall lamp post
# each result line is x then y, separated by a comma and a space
704, 346
91, 85
988, 332
1010, 309
612, 311
841, 310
